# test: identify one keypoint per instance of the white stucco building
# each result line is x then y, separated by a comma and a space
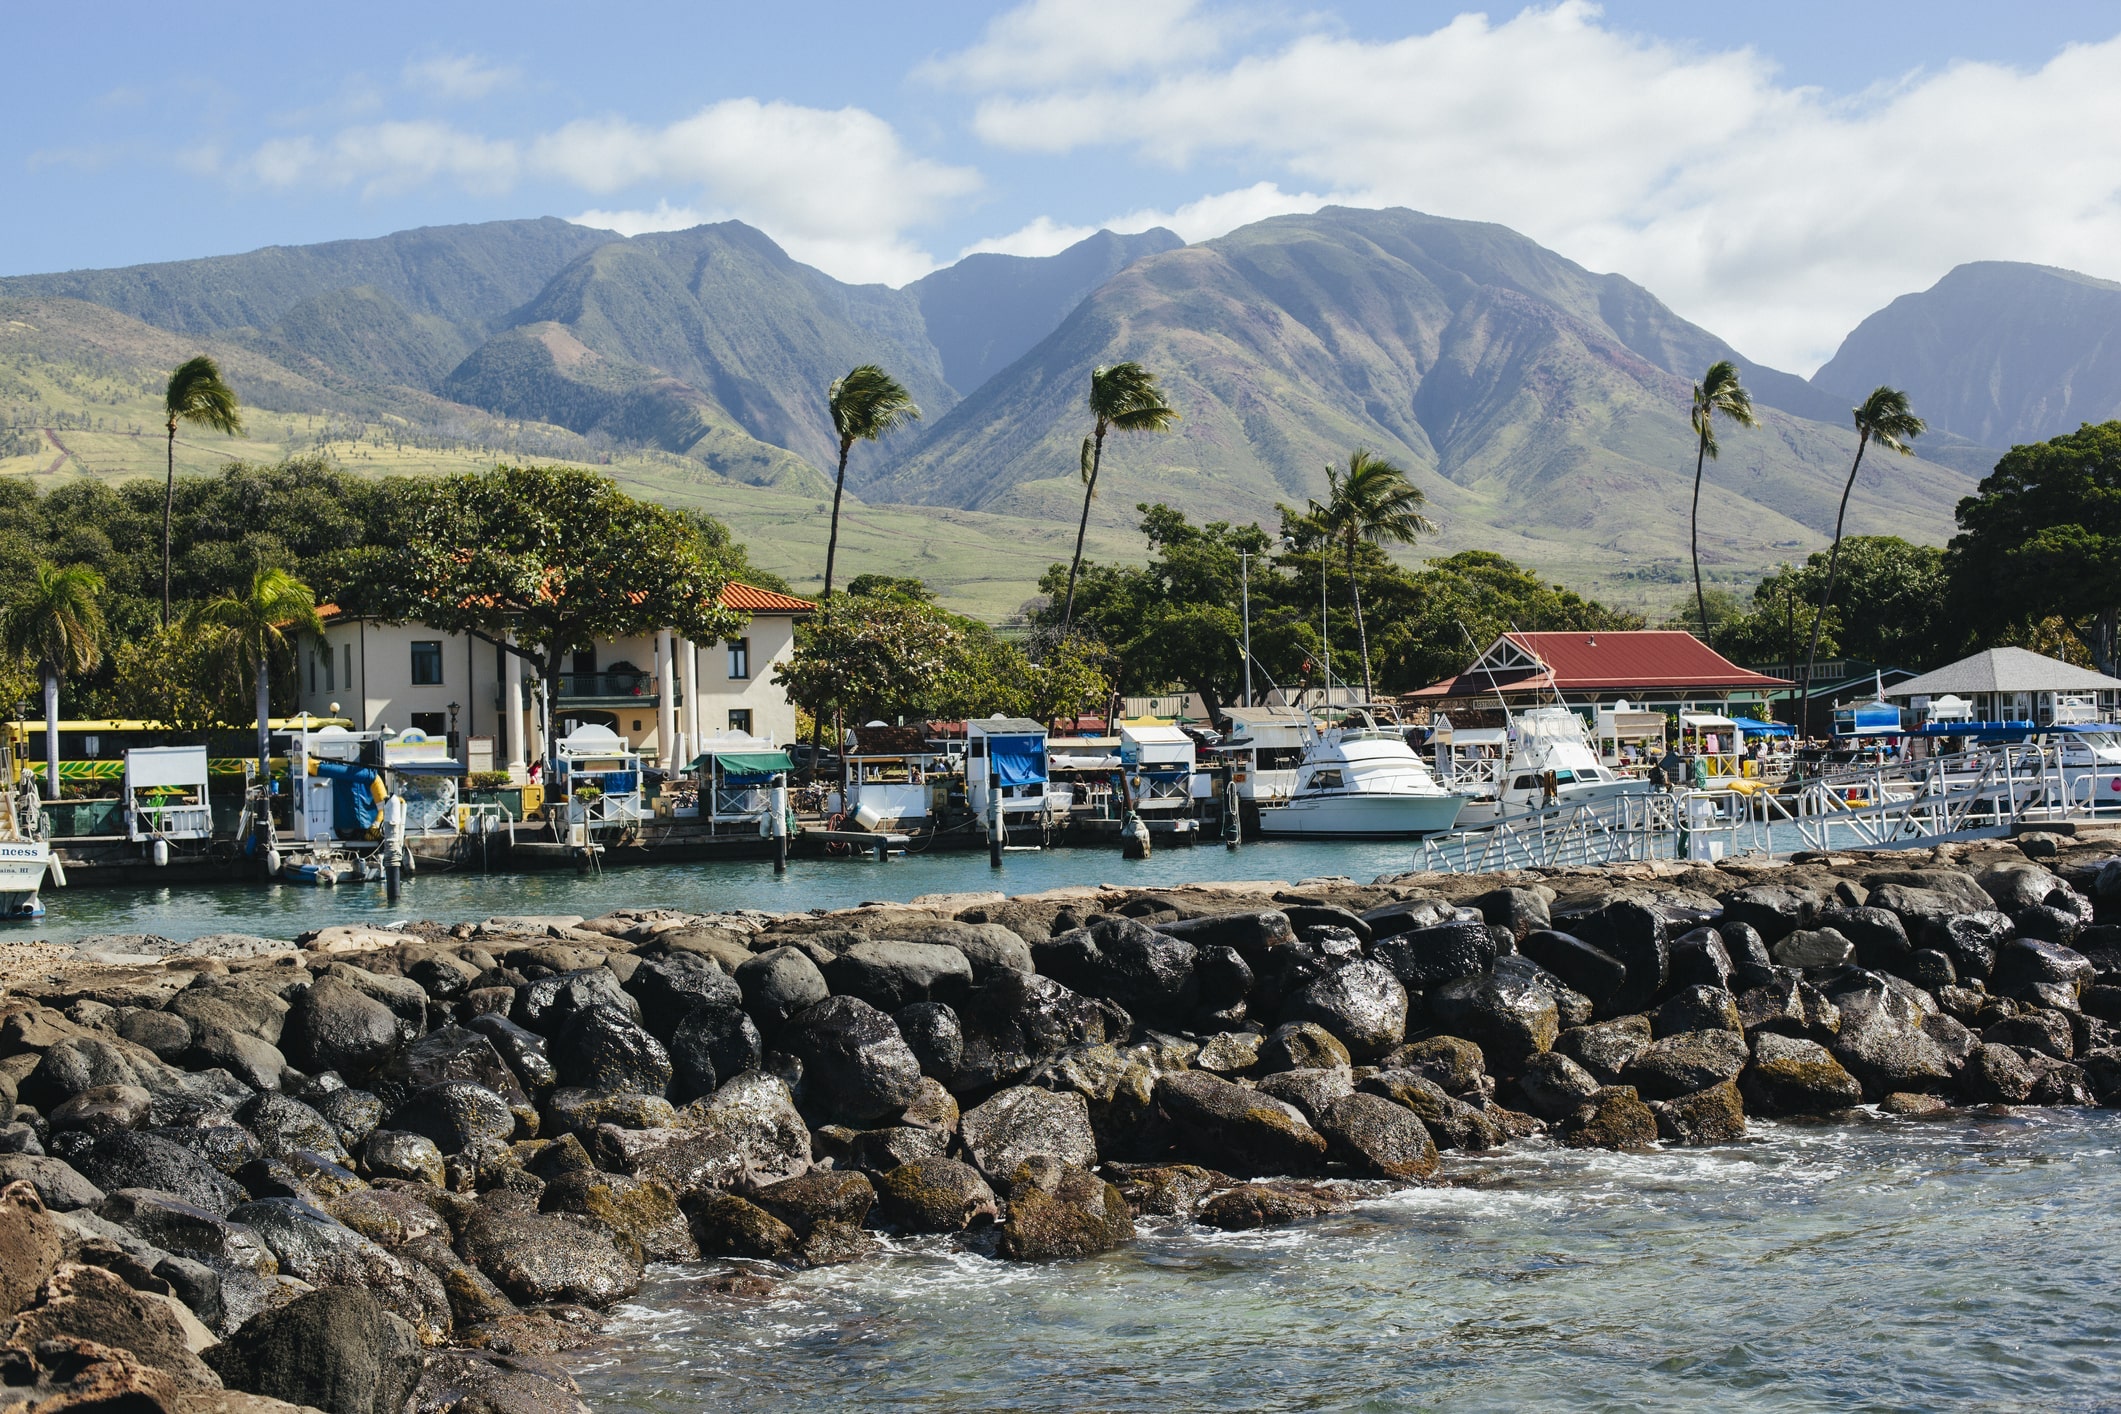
659, 691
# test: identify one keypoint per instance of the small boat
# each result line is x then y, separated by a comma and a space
328, 867
1361, 781
1544, 740
24, 859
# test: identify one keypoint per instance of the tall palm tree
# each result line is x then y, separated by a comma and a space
1123, 398
1885, 417
195, 395
1718, 391
1375, 502
55, 621
865, 405
254, 625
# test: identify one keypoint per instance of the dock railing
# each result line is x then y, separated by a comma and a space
1704, 824
1983, 791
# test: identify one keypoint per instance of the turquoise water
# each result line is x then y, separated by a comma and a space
1886, 1264
283, 910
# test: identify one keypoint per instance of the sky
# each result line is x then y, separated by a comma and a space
1774, 172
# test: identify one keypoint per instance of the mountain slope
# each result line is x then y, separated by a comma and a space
1996, 352
986, 311
1544, 405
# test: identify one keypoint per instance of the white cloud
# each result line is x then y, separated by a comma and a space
1212, 216
1774, 215
1042, 236
387, 157
1051, 42
664, 217
463, 77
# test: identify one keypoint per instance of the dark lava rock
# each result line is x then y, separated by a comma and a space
1425, 958
352, 1114
1014, 1020
728, 1226
134, 1160
2044, 1031
544, 1257
779, 983
639, 1209
1555, 1087
577, 1111
1680, 1065
1695, 1009
59, 1186
1743, 943
256, 1063
819, 1196
189, 1231
1251, 1206
670, 986
2050, 924
1774, 910
1146, 971
1022, 1122
1509, 1013
1453, 1062
1362, 1004
395, 1154
445, 1054
1453, 1123
1588, 969
1222, 979
602, 1048
1323, 915
1970, 940
1711, 1116
524, 1050
103, 1109
1604, 1049
2025, 961
1302, 1045
1814, 949
1235, 1128
936, 1195
1996, 1075
855, 1063
339, 1349
1882, 1043
485, 1382
710, 1047
1059, 1211
989, 947
1790, 1076
315, 1247
165, 1033
548, 1003
1311, 1091
1635, 935
1408, 915
1879, 937
931, 1029
284, 1125
891, 975
1699, 959
456, 1115
1372, 1135
1515, 911
1165, 1190
333, 1026
1929, 969
1616, 1119
1250, 934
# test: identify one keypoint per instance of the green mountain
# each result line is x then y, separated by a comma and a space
1997, 353
1543, 407
986, 311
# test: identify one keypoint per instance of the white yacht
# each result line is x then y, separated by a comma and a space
1361, 781
23, 857
1545, 739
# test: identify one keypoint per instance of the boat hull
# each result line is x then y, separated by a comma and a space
1358, 817
22, 868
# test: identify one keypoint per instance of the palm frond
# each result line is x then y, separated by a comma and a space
56, 619
1889, 420
198, 395
260, 619
1373, 500
1124, 396
868, 403
1089, 463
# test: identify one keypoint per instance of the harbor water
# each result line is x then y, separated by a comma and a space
1971, 1261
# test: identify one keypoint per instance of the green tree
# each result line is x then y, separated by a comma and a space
872, 658
1123, 398
1374, 503
1717, 392
541, 560
1889, 607
252, 629
1886, 417
55, 621
197, 395
865, 405
2041, 537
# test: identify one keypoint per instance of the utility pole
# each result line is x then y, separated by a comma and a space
1244, 570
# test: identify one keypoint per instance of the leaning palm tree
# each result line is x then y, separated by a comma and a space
1885, 417
254, 626
865, 405
1375, 502
55, 622
1123, 398
1718, 391
196, 395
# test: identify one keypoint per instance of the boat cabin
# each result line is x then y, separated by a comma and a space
166, 794
1264, 746
1007, 755
1158, 759
733, 784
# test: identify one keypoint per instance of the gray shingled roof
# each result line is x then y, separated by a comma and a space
2005, 670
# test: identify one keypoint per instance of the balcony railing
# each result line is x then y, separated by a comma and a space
639, 687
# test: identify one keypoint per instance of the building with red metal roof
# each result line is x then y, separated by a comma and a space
1655, 667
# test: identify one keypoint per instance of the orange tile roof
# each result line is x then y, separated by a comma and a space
751, 599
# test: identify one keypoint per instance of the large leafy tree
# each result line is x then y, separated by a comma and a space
1889, 607
253, 629
541, 560
2040, 538
865, 405
1718, 393
55, 621
1123, 398
873, 658
1373, 503
196, 395
1886, 418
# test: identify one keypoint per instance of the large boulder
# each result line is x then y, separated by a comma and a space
1774, 910
855, 1063
1695, 1009
312, 1246
670, 986
1147, 972
527, 1053
938, 1042
1310, 1091
1605, 1048
1635, 935
1555, 1087
1589, 969
1699, 958
749, 1132
1997, 1075
286, 1126
1814, 950
714, 1044
989, 947
1714, 1115
1680, 1065
31, 1246
334, 1026
1878, 935
935, 1195
891, 975
779, 983
188, 1231
1791, 1076
603, 1048
1970, 940
83, 1303
1014, 1020
544, 1257
1058, 1210
1363, 1004
1510, 1013
456, 1115
1372, 1135
1882, 1043
1018, 1123
1237, 1129
57, 1183
2023, 964
1516, 911
1250, 933
339, 1350
1426, 958
134, 1160
1615, 1119
547, 1003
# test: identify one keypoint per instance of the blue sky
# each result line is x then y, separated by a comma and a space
1774, 172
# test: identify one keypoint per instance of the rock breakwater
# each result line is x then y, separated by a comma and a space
424, 1157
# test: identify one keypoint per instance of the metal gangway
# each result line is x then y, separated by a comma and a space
1703, 825
1963, 795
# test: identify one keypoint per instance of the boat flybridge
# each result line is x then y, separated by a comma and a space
1544, 740
1360, 780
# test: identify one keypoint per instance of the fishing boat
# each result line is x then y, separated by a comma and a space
24, 859
1550, 762
1360, 780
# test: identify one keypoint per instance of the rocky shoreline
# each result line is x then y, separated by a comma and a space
378, 1169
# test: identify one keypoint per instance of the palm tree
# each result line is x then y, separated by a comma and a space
196, 395
255, 625
55, 622
1376, 502
1718, 391
865, 405
1885, 416
1123, 398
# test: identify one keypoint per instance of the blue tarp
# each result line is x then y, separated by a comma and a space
1017, 760
1868, 719
353, 805
1753, 727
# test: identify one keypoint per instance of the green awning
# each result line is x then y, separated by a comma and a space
745, 763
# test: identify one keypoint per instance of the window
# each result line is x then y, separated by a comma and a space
324, 652
313, 671
585, 660
349, 665
427, 662
740, 657
430, 723
740, 721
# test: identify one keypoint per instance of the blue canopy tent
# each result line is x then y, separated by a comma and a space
1753, 727
1017, 760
